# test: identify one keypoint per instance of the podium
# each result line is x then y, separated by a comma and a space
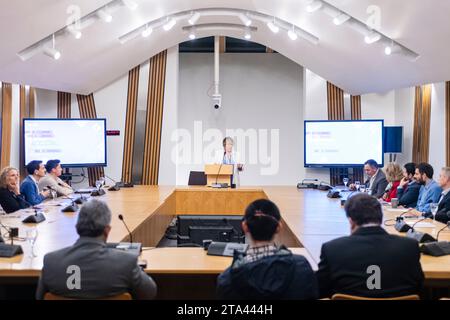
213, 175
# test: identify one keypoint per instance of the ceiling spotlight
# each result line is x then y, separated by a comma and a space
341, 19
74, 31
169, 24
273, 27
314, 6
193, 19
247, 35
292, 34
147, 31
192, 35
130, 4
245, 19
372, 37
392, 48
105, 16
52, 53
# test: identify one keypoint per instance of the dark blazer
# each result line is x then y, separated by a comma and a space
379, 184
443, 214
103, 272
408, 197
344, 264
282, 276
30, 191
11, 202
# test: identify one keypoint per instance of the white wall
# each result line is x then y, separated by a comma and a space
261, 93
404, 116
437, 157
315, 108
15, 128
111, 103
167, 168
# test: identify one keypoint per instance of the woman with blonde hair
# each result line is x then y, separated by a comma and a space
10, 198
394, 174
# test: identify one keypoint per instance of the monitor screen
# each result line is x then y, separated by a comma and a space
343, 143
75, 142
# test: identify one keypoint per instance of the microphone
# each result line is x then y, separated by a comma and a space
400, 224
216, 185
10, 250
419, 236
129, 232
437, 249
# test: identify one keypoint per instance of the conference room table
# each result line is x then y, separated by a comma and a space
309, 219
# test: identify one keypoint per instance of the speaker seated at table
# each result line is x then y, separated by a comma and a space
218, 174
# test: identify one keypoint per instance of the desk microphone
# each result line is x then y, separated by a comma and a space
218, 173
419, 236
129, 232
400, 224
437, 249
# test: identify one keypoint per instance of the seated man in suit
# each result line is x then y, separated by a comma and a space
430, 191
266, 271
90, 270
377, 182
53, 181
29, 187
10, 198
409, 188
370, 262
443, 214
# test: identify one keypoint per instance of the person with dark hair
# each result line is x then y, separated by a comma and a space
52, 179
29, 187
103, 271
430, 191
376, 182
266, 271
370, 262
10, 198
409, 188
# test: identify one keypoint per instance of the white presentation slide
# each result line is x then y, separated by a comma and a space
74, 142
343, 143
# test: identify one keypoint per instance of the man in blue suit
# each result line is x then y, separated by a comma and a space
29, 187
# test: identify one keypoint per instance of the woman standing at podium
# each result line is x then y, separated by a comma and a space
231, 158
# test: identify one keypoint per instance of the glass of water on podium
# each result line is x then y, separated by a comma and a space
357, 185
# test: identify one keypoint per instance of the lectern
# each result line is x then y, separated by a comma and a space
220, 174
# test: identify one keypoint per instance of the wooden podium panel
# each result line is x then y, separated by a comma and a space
216, 173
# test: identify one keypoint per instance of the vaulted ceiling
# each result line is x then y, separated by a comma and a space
341, 56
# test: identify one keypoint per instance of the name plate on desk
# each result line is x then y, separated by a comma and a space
134, 248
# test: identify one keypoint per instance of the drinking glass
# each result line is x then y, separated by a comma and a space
434, 209
345, 180
31, 236
357, 185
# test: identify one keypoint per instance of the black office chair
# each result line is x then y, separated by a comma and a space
197, 178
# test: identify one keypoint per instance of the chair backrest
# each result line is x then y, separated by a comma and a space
123, 296
197, 178
339, 296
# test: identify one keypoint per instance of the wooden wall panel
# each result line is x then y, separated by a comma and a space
447, 123
6, 124
153, 126
130, 124
335, 98
422, 119
64, 105
86, 106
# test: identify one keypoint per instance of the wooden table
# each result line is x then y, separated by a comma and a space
309, 219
